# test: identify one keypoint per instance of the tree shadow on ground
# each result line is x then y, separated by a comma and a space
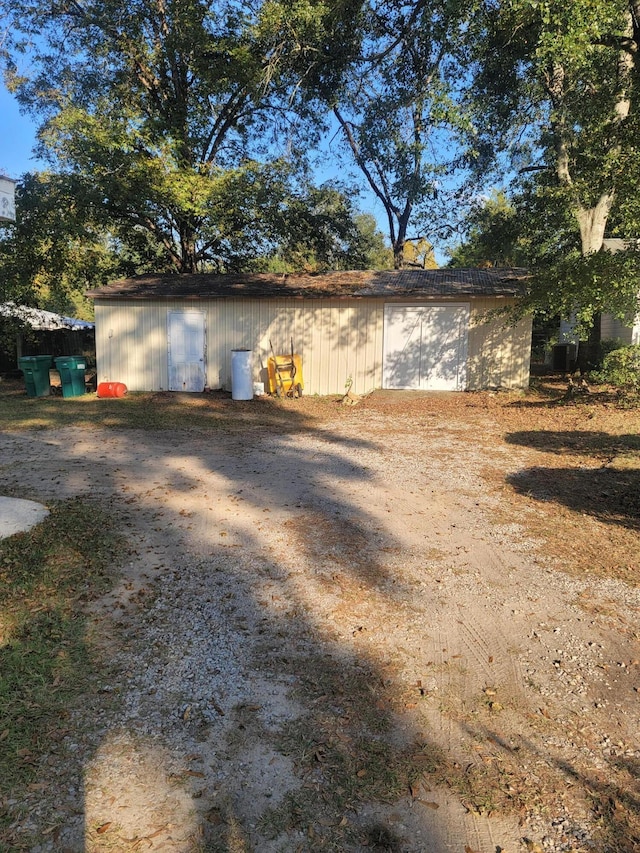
610, 495
577, 442
340, 743
282, 517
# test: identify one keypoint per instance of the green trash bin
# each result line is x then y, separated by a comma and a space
36, 374
71, 369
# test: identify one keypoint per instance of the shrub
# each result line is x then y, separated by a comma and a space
621, 368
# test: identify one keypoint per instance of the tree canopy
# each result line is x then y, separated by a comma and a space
400, 114
54, 252
184, 131
164, 110
556, 87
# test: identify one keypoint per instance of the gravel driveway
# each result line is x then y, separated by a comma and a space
324, 640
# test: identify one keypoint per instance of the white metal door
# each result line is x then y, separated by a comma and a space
425, 347
186, 350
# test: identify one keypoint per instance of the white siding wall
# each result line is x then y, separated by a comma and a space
499, 353
612, 329
337, 339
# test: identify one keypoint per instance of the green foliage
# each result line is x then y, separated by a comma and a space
556, 88
172, 117
494, 235
546, 69
587, 285
535, 229
54, 251
320, 231
621, 368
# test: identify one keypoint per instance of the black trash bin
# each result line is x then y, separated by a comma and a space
36, 374
71, 369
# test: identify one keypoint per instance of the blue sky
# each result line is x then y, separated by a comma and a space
17, 139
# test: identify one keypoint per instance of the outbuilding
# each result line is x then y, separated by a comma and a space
397, 329
39, 332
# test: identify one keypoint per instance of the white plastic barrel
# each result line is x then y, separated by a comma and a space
241, 374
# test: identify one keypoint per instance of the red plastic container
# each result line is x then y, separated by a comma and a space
112, 389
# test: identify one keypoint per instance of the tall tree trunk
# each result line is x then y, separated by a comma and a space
402, 218
592, 221
188, 253
398, 254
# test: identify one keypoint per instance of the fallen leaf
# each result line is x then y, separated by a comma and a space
4, 735
468, 849
156, 833
103, 828
214, 817
430, 804
361, 773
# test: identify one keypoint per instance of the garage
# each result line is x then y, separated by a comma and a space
424, 330
425, 347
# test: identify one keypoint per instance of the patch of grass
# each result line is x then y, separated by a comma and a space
149, 411
47, 575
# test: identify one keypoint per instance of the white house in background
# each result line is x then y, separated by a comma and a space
611, 328
7, 199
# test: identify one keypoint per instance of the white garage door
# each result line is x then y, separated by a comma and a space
186, 350
425, 347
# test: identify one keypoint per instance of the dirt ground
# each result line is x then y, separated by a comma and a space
407, 625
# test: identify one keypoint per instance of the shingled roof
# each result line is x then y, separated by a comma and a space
357, 283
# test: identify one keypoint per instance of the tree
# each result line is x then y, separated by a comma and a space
161, 110
494, 236
557, 85
54, 252
321, 231
399, 113
371, 251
